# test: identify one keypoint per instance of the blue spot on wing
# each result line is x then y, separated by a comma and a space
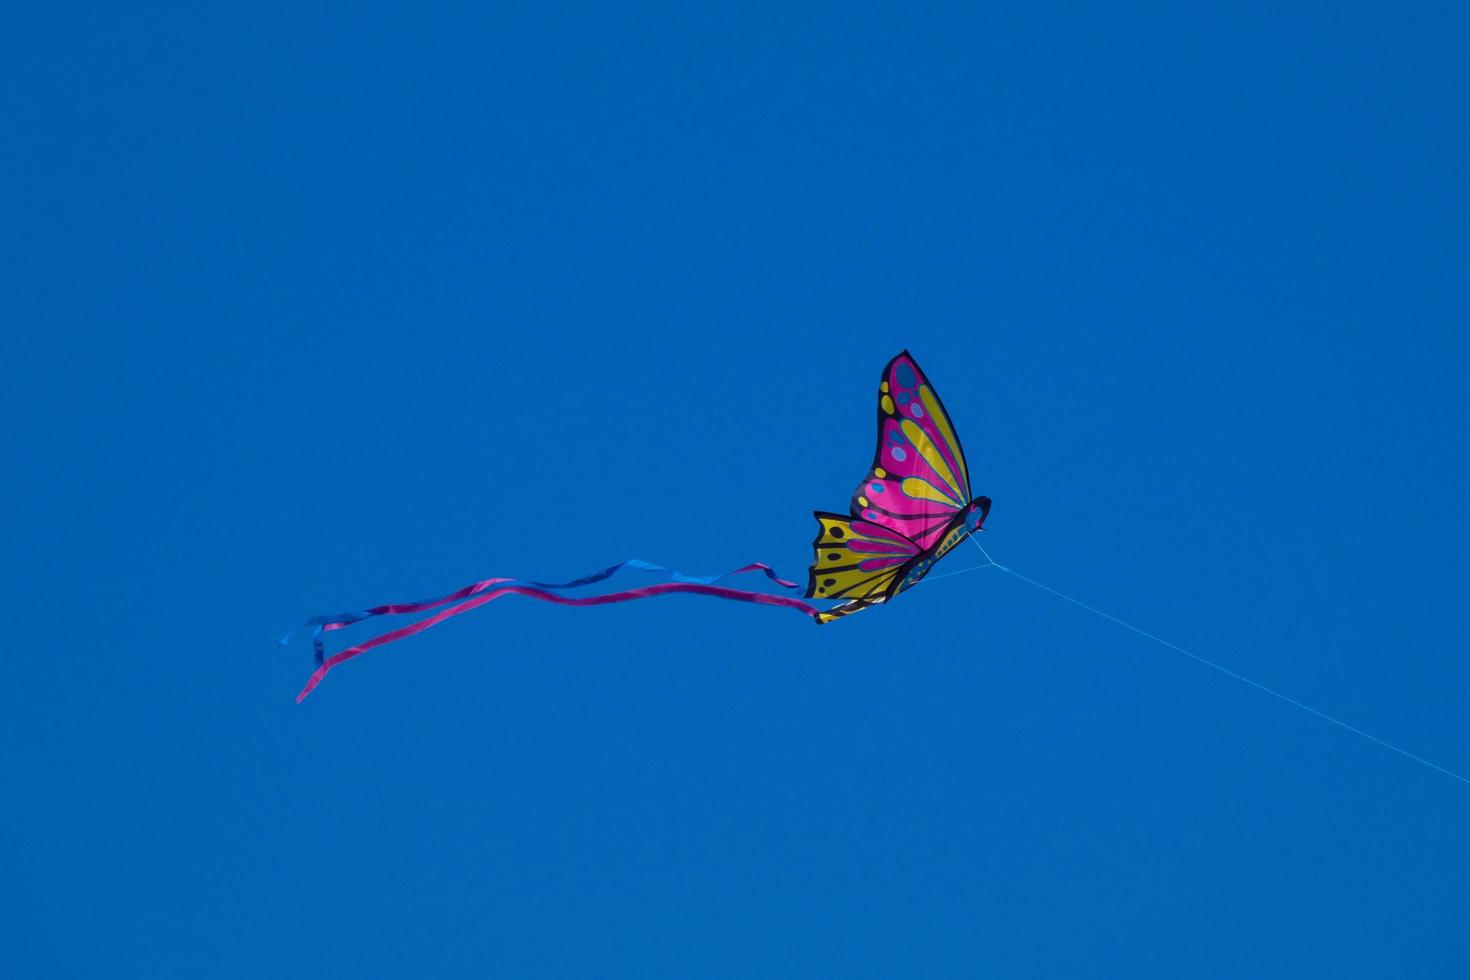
905, 374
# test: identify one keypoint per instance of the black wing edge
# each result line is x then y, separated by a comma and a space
811, 572
878, 436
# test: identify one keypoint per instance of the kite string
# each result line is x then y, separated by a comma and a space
990, 562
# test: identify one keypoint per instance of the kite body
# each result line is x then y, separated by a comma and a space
911, 509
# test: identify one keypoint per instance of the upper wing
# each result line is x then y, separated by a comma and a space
856, 559
919, 479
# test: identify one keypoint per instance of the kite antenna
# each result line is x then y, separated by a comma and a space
991, 563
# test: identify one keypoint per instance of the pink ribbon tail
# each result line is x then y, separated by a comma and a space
647, 591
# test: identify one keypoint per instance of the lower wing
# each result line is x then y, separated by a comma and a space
856, 560
848, 608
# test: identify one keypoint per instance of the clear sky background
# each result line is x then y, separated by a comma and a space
309, 308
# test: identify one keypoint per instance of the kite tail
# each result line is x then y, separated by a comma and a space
474, 595
320, 624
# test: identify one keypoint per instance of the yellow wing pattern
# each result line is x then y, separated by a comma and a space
855, 560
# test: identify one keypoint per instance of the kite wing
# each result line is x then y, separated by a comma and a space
856, 560
919, 479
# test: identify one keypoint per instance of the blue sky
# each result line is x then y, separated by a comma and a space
320, 307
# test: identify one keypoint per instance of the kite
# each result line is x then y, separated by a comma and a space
913, 507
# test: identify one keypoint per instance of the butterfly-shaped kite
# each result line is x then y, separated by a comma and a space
911, 509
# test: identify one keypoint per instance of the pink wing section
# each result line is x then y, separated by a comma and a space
919, 478
879, 541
